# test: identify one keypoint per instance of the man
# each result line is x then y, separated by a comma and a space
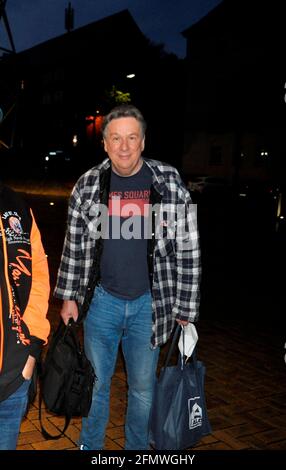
134, 269
24, 295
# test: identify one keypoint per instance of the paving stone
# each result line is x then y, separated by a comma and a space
114, 445
272, 435
27, 425
281, 445
216, 446
120, 442
30, 437
25, 447
246, 429
59, 444
33, 414
48, 425
73, 433
208, 439
278, 421
115, 432
219, 422
235, 444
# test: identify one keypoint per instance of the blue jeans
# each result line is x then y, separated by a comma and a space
109, 321
11, 413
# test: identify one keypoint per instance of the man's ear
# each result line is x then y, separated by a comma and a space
104, 145
143, 144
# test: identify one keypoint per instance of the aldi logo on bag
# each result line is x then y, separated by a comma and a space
195, 413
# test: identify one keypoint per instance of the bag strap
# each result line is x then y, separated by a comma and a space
45, 433
172, 345
61, 331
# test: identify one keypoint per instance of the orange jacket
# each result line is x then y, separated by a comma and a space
24, 292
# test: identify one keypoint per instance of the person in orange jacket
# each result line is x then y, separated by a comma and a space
24, 295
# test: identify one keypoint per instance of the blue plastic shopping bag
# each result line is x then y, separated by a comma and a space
179, 417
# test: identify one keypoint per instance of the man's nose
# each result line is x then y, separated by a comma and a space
124, 144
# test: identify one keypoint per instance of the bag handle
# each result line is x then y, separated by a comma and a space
172, 345
171, 348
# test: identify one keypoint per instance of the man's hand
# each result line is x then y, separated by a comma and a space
182, 322
27, 372
69, 310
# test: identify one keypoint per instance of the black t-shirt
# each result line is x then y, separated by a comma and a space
124, 269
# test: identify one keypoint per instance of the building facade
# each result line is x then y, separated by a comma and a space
235, 106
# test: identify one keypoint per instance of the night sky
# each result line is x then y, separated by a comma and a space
162, 21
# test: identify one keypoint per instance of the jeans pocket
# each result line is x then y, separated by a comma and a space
99, 291
98, 294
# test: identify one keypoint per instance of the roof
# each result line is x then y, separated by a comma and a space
100, 35
240, 17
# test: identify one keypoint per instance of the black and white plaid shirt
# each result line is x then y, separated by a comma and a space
176, 255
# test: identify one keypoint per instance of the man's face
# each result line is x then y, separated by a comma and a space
124, 143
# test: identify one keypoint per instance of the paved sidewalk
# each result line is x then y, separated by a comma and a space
245, 391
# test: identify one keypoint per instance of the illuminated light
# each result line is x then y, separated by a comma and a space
52, 203
279, 206
74, 140
93, 124
264, 153
242, 195
281, 217
52, 153
130, 75
47, 158
98, 123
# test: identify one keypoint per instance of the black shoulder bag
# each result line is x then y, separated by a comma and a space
67, 377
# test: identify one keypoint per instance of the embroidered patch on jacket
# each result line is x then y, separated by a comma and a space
15, 225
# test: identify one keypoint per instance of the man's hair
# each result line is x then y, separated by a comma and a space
124, 110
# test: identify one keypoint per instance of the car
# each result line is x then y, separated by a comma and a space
260, 191
207, 184
57, 162
265, 200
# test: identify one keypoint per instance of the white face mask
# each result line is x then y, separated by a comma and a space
191, 338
